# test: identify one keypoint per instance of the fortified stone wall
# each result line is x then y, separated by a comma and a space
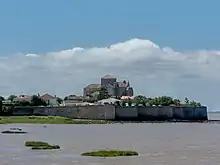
161, 113
200, 113
190, 113
110, 112
79, 112
23, 111
155, 113
126, 113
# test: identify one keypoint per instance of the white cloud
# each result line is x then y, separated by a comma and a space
152, 71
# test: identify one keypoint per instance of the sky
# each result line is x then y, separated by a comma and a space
167, 47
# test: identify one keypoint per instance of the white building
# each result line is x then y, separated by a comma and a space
108, 101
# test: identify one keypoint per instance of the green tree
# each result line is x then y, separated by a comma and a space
1, 105
195, 104
123, 103
165, 100
186, 100
59, 100
37, 101
162, 100
129, 103
103, 94
140, 98
143, 103
12, 97
2, 98
177, 102
24, 103
153, 101
117, 103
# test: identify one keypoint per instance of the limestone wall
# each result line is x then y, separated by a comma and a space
190, 113
126, 113
178, 113
161, 113
155, 113
165, 112
95, 112
23, 111
79, 112
147, 113
200, 113
110, 112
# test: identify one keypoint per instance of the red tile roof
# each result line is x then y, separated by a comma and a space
46, 97
122, 84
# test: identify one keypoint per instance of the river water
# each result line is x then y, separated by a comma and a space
158, 144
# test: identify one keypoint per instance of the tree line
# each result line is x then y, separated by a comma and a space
35, 101
159, 101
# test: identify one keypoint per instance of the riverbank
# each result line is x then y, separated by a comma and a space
64, 120
47, 120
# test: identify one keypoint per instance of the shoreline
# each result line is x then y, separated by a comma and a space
48, 120
64, 120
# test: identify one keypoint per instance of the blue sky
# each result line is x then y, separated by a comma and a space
163, 47
41, 26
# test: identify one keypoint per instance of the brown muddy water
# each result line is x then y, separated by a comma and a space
158, 144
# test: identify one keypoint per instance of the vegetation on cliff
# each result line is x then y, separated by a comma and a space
159, 101
38, 145
110, 153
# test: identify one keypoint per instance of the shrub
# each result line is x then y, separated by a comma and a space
38, 145
110, 153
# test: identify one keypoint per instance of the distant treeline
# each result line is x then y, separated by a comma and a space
158, 101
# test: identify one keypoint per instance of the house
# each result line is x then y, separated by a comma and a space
72, 101
90, 89
108, 101
49, 99
7, 102
23, 98
127, 97
74, 97
75, 103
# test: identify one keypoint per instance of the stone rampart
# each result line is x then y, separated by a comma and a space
155, 113
126, 113
80, 112
190, 113
23, 111
110, 112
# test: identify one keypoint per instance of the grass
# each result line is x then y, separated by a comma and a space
86, 121
110, 153
35, 143
35, 120
48, 147
48, 120
38, 145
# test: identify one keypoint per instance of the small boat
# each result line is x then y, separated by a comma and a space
14, 131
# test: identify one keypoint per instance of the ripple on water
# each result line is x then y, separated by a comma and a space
10, 149
70, 156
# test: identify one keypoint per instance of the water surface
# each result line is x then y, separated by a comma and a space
158, 144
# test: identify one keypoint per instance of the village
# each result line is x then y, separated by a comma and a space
109, 100
109, 91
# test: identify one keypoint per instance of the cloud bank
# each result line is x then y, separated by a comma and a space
151, 69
